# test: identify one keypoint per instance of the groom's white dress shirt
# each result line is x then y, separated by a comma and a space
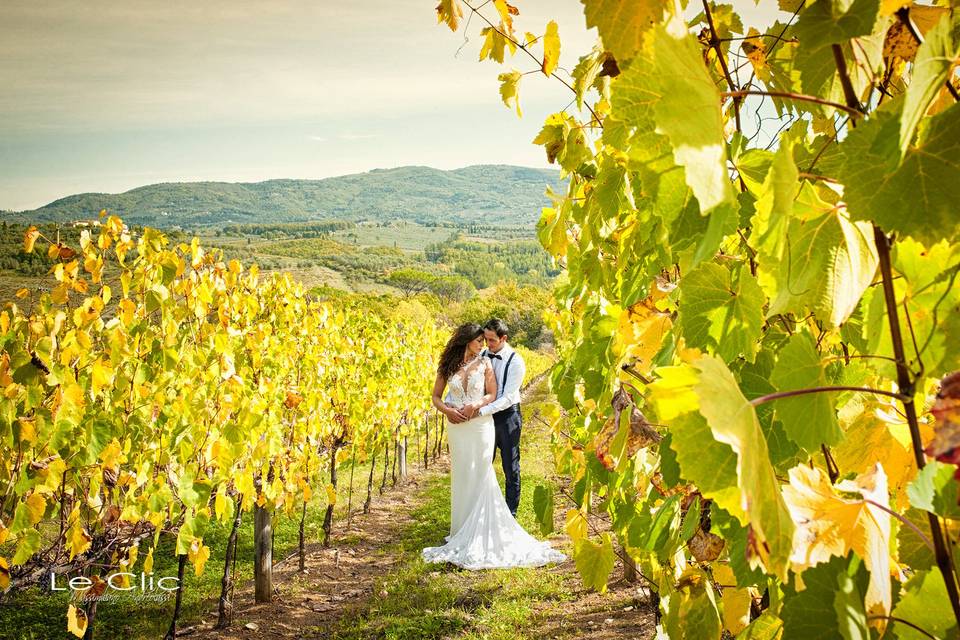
508, 391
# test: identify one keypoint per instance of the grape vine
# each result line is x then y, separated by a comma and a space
760, 241
178, 389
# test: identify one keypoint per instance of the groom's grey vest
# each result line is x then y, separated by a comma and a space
509, 411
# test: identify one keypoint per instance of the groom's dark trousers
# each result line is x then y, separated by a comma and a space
507, 424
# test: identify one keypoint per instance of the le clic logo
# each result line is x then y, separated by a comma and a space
120, 581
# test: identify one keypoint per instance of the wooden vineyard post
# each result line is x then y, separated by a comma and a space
225, 607
353, 466
426, 440
328, 515
396, 454
373, 465
418, 442
402, 456
263, 554
386, 467
172, 631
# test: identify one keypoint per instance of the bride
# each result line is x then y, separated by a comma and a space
483, 533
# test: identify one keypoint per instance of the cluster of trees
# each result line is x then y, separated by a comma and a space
485, 264
287, 229
448, 288
454, 297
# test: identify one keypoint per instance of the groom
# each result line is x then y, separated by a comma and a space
510, 369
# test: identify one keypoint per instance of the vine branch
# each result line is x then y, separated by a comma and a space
793, 96
907, 386
523, 48
802, 392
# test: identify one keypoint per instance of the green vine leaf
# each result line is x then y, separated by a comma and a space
811, 420
916, 197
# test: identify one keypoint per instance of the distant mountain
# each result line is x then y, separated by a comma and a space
494, 194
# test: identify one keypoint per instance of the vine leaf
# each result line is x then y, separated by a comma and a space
551, 48
934, 65
925, 603
733, 421
76, 621
810, 421
625, 432
935, 489
495, 44
831, 525
868, 438
819, 27
543, 508
449, 12
736, 601
915, 197
722, 311
622, 23
510, 88
830, 599
669, 84
641, 331
595, 561
691, 610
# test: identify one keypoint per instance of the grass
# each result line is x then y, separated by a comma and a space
420, 600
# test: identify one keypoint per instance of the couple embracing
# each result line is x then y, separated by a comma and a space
482, 407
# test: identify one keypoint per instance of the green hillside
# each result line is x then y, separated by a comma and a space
488, 194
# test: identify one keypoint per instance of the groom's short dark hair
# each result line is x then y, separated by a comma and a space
498, 326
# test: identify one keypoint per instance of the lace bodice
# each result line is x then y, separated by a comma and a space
468, 384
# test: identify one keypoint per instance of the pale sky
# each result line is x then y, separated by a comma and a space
107, 96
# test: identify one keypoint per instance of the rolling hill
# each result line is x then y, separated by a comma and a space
492, 194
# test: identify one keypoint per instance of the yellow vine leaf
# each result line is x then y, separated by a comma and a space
449, 12
736, 601
506, 11
551, 48
148, 562
78, 538
102, 375
28, 430
4, 574
890, 7
199, 554
494, 44
30, 238
36, 505
756, 52
828, 524
331, 494
576, 525
641, 331
76, 621
509, 89
220, 503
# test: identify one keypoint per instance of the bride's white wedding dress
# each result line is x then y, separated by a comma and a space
483, 533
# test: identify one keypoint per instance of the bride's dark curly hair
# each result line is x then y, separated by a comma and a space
452, 354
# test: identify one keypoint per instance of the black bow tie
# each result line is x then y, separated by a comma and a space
490, 354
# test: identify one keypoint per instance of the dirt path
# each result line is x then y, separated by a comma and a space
337, 579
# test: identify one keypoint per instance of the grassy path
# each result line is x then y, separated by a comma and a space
419, 600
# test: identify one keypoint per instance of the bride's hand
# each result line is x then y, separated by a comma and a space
470, 410
454, 414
